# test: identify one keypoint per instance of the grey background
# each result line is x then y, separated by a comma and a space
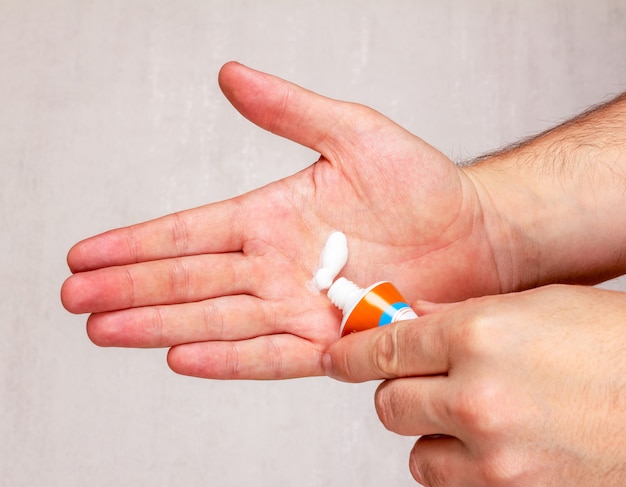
110, 114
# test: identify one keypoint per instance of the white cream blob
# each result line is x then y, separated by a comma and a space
334, 258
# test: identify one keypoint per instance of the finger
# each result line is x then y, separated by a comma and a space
414, 406
441, 461
265, 357
288, 110
212, 228
227, 318
168, 281
409, 348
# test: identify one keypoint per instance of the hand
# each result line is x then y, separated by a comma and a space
226, 284
523, 389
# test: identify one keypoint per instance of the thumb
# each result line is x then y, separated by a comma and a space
290, 111
405, 349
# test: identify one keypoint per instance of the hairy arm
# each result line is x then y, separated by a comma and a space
554, 204
521, 388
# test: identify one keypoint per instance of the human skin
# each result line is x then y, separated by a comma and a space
225, 284
556, 195
523, 389
527, 388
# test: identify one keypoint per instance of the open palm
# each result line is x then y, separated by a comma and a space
228, 285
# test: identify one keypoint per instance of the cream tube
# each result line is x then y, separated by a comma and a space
377, 305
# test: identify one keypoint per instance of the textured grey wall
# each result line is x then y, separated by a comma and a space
110, 114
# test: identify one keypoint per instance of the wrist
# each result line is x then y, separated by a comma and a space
515, 249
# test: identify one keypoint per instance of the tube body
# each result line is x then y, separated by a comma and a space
377, 305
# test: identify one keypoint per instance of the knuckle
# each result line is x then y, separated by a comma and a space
130, 286
478, 408
231, 363
180, 281
132, 244
243, 273
502, 467
343, 367
481, 334
385, 357
275, 360
180, 233
213, 323
156, 330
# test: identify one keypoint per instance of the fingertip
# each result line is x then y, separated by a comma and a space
73, 258
279, 106
88, 253
346, 360
234, 81
86, 292
70, 295
229, 64
227, 71
175, 361
101, 333
65, 294
205, 360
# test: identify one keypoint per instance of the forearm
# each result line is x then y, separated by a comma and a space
555, 205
